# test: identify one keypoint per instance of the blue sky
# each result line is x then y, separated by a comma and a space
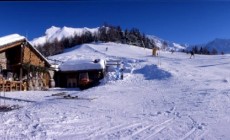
191, 22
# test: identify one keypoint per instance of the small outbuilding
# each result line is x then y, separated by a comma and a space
79, 73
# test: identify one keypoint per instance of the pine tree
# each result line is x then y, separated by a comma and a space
214, 51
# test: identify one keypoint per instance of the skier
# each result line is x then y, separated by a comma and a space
121, 73
121, 70
192, 54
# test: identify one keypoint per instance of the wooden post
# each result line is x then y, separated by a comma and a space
52, 82
21, 71
20, 79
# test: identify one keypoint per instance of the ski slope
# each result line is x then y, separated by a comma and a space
165, 97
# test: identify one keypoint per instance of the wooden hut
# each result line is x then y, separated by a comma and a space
79, 73
22, 67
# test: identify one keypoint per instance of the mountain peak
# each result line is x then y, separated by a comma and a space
52, 30
58, 33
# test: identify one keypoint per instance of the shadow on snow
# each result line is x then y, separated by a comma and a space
211, 65
152, 72
15, 99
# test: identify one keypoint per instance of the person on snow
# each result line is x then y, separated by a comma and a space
122, 71
192, 54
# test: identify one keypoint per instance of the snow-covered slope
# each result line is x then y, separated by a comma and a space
60, 33
164, 97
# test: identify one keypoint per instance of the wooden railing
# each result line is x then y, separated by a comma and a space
7, 85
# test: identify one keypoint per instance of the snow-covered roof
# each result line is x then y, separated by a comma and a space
10, 39
78, 65
16, 37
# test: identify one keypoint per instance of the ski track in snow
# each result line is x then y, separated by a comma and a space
178, 98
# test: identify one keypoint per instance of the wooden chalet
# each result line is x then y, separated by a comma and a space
79, 73
22, 67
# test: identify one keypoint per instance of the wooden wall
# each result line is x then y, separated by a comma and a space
3, 60
31, 57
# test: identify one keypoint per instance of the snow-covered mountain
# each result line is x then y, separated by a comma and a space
60, 33
53, 33
170, 45
221, 45
158, 41
66, 32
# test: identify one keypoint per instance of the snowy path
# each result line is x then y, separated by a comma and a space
180, 99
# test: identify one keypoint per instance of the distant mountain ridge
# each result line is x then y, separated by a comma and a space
68, 35
170, 45
60, 33
54, 33
221, 45
216, 46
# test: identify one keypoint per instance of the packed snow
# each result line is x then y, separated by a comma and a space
166, 97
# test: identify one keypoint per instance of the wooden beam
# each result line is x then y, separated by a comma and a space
4, 48
21, 61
